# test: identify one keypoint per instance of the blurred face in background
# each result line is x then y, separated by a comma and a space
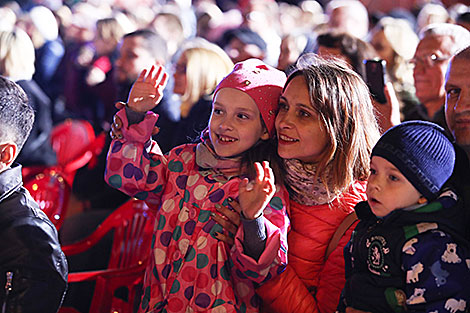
133, 58
458, 102
430, 64
179, 75
383, 47
238, 51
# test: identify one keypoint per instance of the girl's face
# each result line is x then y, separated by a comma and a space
179, 75
235, 123
300, 131
388, 189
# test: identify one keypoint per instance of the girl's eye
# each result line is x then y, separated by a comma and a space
283, 106
242, 116
217, 111
372, 171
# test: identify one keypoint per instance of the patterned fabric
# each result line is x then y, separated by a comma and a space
302, 186
408, 261
189, 269
310, 283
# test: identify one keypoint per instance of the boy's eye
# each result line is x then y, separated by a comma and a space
242, 116
393, 178
217, 111
372, 171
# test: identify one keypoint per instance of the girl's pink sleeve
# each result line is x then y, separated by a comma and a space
274, 257
135, 163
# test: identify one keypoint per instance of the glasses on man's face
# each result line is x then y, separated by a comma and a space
428, 60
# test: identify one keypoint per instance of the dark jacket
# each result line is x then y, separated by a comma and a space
412, 260
189, 128
37, 150
30, 252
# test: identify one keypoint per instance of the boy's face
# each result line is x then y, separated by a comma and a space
388, 189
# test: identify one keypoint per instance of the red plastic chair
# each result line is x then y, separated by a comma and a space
75, 144
132, 227
52, 193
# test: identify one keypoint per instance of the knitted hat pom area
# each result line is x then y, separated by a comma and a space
422, 152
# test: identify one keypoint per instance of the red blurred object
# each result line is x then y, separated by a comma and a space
71, 142
75, 145
52, 193
132, 227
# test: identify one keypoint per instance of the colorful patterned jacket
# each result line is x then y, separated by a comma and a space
189, 269
310, 282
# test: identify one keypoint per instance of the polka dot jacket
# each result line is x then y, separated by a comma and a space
190, 270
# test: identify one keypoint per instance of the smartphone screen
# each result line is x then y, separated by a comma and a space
375, 79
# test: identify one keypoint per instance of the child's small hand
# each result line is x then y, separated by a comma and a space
147, 91
256, 194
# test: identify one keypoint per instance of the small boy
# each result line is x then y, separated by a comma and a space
407, 253
33, 269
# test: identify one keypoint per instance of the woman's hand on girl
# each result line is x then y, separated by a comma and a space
255, 195
147, 91
229, 220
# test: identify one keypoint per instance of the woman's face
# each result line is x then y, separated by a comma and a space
383, 47
300, 131
179, 75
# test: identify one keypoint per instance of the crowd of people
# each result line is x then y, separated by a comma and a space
277, 182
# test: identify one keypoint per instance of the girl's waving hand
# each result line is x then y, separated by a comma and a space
255, 195
147, 90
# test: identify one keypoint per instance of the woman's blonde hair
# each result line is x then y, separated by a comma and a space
207, 64
16, 55
343, 102
109, 29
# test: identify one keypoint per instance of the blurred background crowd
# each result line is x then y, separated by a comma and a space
76, 59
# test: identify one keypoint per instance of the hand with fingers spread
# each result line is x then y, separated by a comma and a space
147, 91
255, 195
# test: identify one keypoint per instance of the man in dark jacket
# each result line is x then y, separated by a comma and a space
33, 268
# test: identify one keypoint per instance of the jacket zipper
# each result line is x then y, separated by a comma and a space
8, 288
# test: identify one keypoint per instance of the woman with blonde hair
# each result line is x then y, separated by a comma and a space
199, 68
17, 63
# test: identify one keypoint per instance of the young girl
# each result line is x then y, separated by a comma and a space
190, 270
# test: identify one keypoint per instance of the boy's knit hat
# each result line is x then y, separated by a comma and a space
262, 83
421, 152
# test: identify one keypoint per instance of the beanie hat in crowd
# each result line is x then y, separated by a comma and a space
263, 83
421, 152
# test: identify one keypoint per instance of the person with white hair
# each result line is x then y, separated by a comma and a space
349, 16
43, 30
438, 43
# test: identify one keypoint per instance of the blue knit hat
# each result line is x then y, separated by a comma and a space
422, 152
